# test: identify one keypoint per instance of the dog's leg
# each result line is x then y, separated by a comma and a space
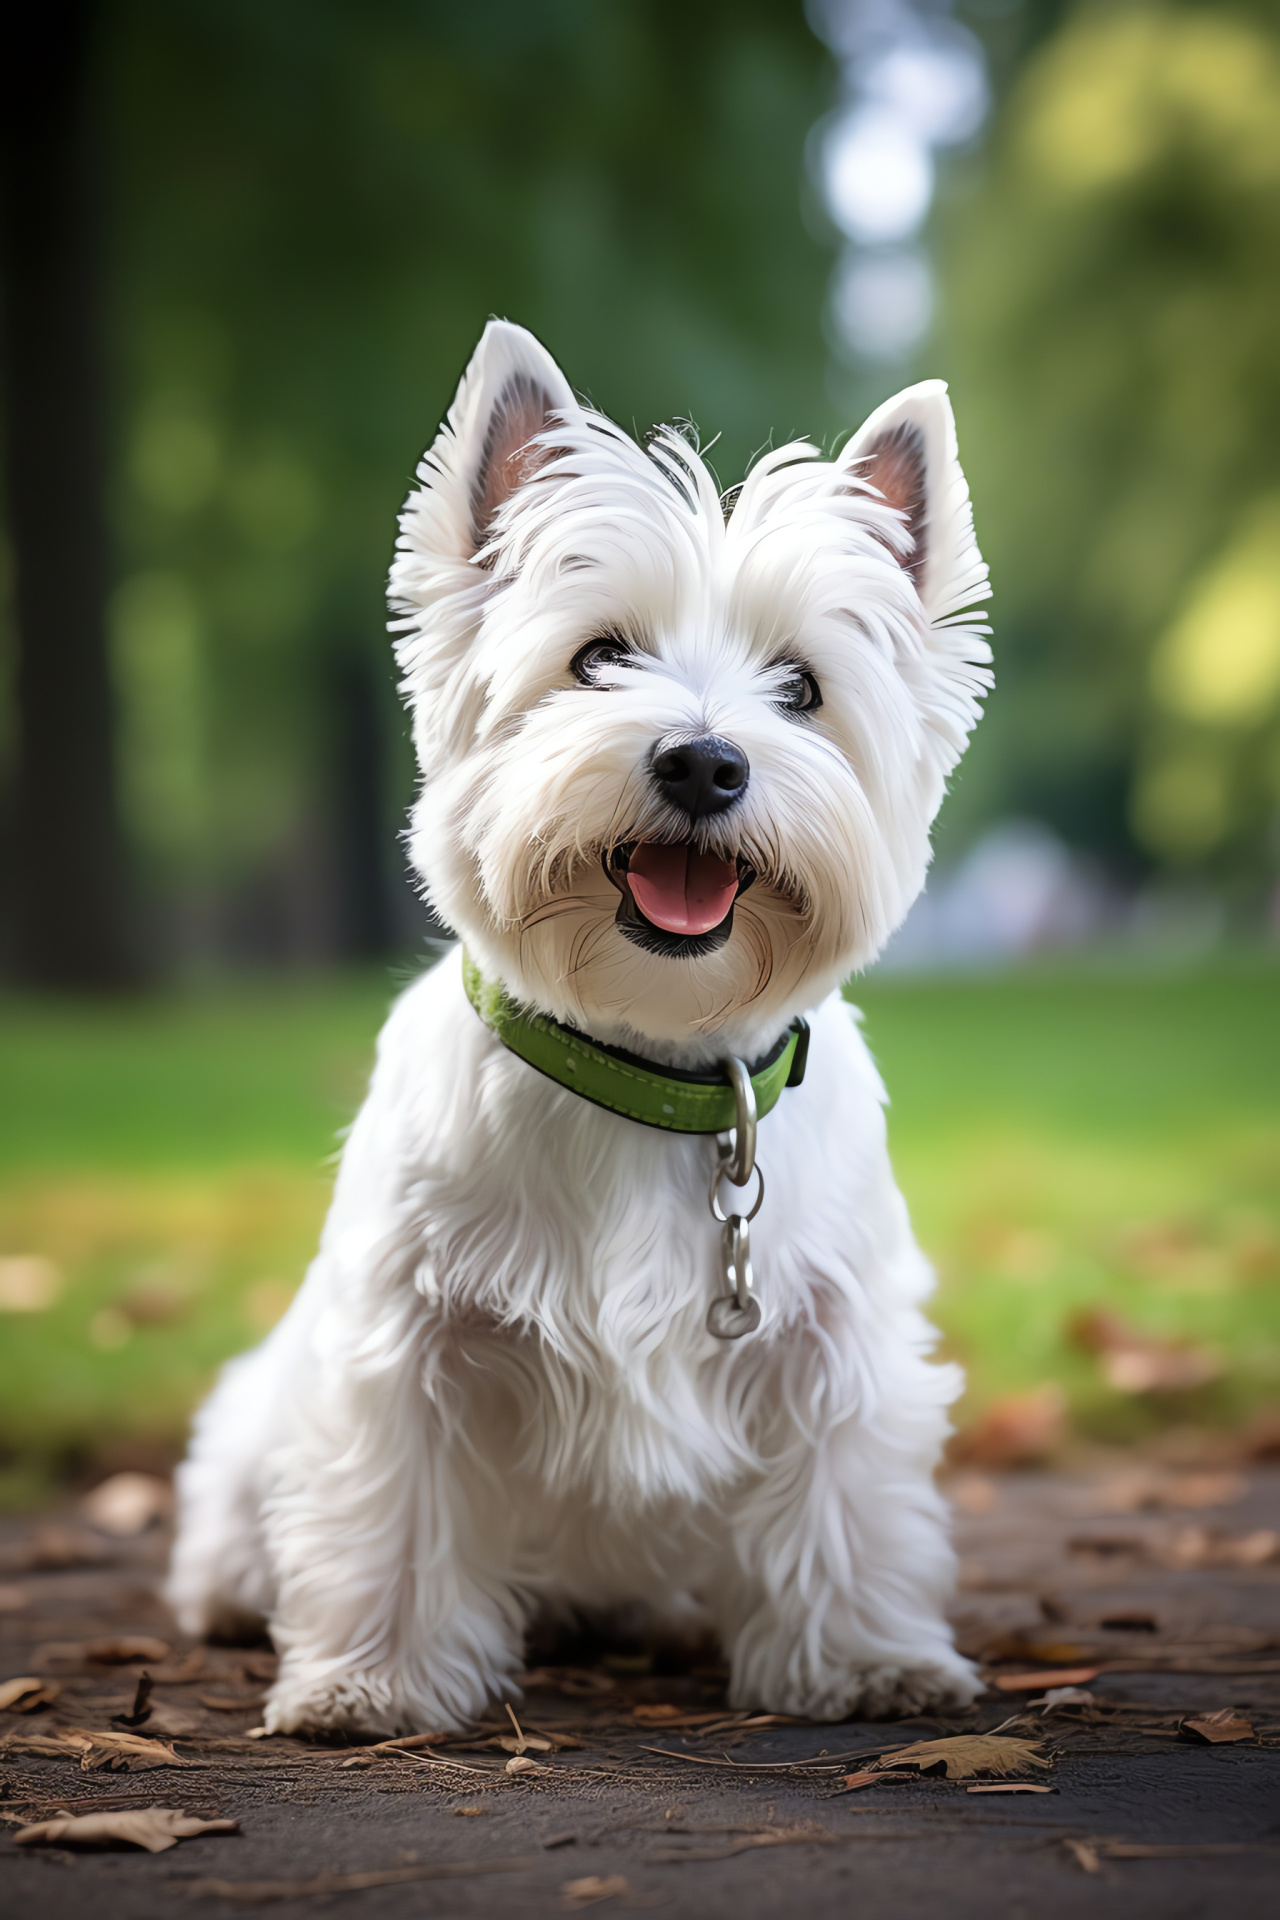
387, 1619
839, 1564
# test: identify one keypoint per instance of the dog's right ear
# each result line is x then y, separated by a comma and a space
511, 392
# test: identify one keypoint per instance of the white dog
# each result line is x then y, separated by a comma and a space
681, 756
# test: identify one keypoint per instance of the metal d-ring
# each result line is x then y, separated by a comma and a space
722, 1173
742, 1153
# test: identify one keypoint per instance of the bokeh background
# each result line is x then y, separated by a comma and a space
247, 250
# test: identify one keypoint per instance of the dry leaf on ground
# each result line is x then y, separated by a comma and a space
680, 1717
855, 1782
128, 1503
1136, 1362
54, 1548
1085, 1855
155, 1828
1008, 1786
171, 1722
122, 1649
27, 1692
1013, 1432
973, 1494
1137, 1487
227, 1703
1043, 1677
592, 1888
1218, 1729
121, 1752
1191, 1547
963, 1755
1064, 1697
522, 1765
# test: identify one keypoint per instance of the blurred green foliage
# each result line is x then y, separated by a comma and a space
317, 207
1063, 1141
1112, 279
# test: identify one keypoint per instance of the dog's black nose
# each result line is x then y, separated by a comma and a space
704, 776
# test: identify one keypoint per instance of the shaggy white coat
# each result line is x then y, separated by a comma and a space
495, 1391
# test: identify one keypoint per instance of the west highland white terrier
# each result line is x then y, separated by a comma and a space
680, 758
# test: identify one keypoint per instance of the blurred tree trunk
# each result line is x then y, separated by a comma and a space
365, 929
69, 867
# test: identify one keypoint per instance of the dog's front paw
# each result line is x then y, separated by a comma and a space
895, 1693
881, 1692
346, 1703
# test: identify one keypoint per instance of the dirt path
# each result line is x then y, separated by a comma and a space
1167, 1583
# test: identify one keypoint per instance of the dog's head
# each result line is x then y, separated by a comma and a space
680, 756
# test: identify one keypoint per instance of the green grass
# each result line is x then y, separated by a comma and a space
1065, 1140
1074, 1141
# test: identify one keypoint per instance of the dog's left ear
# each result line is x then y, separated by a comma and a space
907, 452
511, 392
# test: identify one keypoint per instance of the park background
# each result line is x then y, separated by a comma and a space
247, 250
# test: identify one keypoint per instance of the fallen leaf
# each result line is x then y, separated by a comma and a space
155, 1828
54, 1548
1052, 1677
256, 1666
522, 1765
526, 1743
1139, 1487
680, 1717
120, 1650
1260, 1439
128, 1503
1014, 1431
1085, 1855
1063, 1697
592, 1888
227, 1703
1218, 1729
855, 1782
29, 1283
548, 1846
973, 1494
170, 1721
1009, 1786
191, 1666
1135, 1362
94, 1748
963, 1755
1191, 1547
1049, 1653
473, 1813
26, 1693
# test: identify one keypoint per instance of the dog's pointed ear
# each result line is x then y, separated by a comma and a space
907, 452
511, 392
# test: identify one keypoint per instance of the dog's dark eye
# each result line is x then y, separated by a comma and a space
608, 651
800, 692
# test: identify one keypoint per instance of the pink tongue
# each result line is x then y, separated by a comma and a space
680, 889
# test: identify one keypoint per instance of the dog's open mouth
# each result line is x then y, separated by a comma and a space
677, 898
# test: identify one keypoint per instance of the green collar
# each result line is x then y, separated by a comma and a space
624, 1083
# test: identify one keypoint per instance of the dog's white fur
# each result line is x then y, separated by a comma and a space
495, 1391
